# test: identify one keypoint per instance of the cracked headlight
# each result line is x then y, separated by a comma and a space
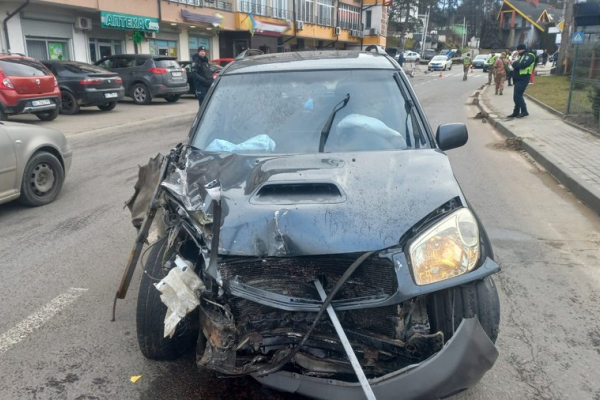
447, 249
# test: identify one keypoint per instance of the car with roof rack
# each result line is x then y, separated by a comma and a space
146, 76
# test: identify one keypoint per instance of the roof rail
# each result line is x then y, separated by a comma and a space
249, 53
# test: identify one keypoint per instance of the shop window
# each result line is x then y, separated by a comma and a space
48, 49
163, 47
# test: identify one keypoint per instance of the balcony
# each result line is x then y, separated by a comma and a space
265, 11
215, 4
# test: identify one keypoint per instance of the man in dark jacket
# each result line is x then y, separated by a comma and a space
201, 73
522, 70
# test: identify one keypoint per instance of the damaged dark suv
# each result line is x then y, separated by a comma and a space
311, 234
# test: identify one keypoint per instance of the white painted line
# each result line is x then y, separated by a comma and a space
38, 318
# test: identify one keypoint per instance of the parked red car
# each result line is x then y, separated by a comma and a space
27, 86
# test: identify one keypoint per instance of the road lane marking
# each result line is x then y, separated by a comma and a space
38, 318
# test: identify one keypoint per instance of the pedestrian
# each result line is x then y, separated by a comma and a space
545, 57
401, 59
201, 73
501, 70
554, 59
466, 65
522, 70
490, 65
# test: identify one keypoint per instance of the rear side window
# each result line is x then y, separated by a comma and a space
22, 67
140, 61
171, 64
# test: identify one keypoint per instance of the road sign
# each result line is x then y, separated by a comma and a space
577, 37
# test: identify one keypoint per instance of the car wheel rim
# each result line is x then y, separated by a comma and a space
139, 94
42, 179
67, 103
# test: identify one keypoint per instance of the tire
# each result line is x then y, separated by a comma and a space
450, 69
151, 311
475, 298
3, 116
173, 98
68, 105
141, 94
108, 106
42, 180
48, 115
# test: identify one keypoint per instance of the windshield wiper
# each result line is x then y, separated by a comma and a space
327, 126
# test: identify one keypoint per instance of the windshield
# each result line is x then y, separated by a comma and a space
285, 113
439, 58
480, 57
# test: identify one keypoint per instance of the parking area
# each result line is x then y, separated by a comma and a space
126, 112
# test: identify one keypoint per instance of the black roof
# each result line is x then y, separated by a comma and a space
311, 60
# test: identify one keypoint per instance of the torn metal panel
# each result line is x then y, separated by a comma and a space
179, 292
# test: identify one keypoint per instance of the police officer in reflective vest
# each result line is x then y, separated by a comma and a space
466, 65
522, 70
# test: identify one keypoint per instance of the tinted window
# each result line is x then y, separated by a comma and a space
140, 61
288, 110
171, 64
22, 67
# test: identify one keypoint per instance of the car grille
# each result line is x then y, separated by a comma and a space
295, 276
252, 317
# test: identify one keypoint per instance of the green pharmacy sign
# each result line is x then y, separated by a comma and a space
126, 21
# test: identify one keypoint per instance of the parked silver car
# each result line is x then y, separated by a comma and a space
33, 163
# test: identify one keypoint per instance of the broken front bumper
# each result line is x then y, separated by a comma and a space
463, 361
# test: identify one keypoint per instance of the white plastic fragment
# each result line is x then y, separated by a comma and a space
178, 292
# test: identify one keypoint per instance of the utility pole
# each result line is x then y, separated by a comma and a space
464, 35
425, 31
565, 38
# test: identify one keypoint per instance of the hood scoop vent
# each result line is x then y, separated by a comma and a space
298, 193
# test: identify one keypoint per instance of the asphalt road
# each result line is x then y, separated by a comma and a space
60, 266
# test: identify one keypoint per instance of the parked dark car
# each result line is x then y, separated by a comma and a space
428, 54
312, 190
480, 61
215, 68
86, 85
146, 76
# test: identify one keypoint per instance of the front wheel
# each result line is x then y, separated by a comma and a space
172, 98
474, 298
151, 311
3, 116
108, 106
47, 115
42, 180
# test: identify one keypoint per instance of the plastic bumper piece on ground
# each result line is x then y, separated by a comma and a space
463, 361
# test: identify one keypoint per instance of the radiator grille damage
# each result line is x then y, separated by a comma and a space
295, 276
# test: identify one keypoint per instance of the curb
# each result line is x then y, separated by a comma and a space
545, 106
589, 196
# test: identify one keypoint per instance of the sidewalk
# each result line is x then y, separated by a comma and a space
571, 155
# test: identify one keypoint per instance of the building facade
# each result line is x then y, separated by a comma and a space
87, 30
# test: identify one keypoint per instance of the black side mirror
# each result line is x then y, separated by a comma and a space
451, 136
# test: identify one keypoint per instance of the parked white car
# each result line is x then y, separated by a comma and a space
439, 63
411, 56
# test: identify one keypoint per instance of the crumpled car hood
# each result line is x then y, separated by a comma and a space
381, 196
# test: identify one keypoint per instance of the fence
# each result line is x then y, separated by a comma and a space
583, 105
